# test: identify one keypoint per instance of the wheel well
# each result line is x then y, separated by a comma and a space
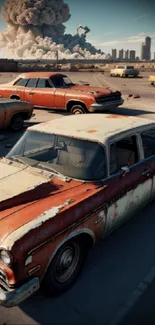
23, 114
72, 103
14, 97
86, 239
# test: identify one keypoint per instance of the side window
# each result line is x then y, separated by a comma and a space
21, 82
32, 82
43, 83
58, 81
124, 152
148, 140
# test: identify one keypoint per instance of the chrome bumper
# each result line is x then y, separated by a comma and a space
14, 297
104, 106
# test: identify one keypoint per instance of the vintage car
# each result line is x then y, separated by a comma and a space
77, 179
124, 71
57, 91
152, 80
13, 113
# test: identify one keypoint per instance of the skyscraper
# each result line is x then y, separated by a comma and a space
148, 48
127, 54
132, 55
143, 50
114, 54
121, 53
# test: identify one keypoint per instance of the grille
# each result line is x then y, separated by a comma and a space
109, 98
3, 281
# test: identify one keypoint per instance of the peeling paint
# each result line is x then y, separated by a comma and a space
106, 125
12, 238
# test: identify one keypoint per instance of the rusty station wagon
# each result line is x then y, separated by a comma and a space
77, 179
13, 113
57, 91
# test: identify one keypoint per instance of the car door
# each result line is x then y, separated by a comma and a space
148, 145
129, 188
60, 91
43, 94
30, 93
18, 88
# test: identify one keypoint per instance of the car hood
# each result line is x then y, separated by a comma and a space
98, 91
26, 194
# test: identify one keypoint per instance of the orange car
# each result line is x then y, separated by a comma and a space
56, 90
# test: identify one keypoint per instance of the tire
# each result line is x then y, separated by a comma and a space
17, 123
60, 277
78, 109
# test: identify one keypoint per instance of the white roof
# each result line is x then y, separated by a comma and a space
93, 127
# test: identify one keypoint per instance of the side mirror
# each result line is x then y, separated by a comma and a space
125, 170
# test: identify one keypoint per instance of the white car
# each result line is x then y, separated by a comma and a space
124, 71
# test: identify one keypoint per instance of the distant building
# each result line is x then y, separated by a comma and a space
127, 55
143, 50
154, 56
148, 48
121, 54
114, 54
132, 55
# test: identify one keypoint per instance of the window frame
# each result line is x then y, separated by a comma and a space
47, 79
28, 82
140, 134
117, 139
15, 84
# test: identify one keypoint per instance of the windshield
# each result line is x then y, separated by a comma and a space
71, 157
67, 81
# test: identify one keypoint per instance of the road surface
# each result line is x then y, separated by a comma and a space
120, 270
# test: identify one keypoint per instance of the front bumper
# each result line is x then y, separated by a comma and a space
105, 106
14, 297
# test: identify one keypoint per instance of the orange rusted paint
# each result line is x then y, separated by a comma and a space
92, 131
116, 116
51, 97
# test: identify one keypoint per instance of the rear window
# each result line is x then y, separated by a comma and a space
130, 67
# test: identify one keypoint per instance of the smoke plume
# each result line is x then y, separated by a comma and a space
36, 30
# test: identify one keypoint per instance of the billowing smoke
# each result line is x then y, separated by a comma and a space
36, 30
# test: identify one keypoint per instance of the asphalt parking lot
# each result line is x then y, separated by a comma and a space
116, 285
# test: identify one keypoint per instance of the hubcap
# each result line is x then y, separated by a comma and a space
67, 262
17, 123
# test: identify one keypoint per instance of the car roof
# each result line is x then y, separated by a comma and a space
93, 127
45, 74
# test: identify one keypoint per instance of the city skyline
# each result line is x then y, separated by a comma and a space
130, 54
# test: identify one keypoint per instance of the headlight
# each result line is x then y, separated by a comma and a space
6, 257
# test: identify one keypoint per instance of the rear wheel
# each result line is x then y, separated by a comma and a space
78, 109
65, 267
17, 122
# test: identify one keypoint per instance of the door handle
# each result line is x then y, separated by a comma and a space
31, 93
146, 172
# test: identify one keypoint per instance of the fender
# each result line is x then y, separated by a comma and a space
74, 234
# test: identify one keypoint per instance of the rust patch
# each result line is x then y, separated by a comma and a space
116, 116
91, 131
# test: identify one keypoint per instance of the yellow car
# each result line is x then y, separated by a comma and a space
152, 80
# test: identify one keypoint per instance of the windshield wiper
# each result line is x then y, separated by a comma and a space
25, 161
47, 166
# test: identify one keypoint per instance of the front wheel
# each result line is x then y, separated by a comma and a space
78, 109
65, 267
17, 122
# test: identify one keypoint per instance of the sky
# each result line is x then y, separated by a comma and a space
113, 24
